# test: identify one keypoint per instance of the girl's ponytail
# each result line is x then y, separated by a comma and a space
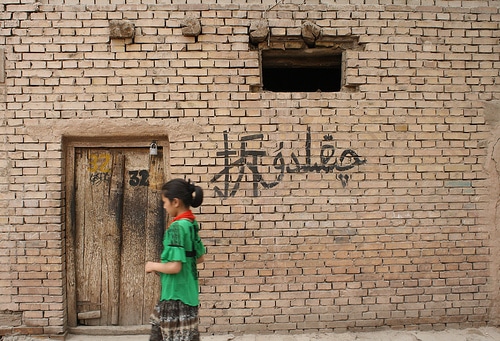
198, 196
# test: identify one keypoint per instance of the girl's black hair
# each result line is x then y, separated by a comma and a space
190, 194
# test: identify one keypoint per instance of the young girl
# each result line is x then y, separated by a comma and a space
175, 318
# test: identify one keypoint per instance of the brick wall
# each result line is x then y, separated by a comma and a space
407, 237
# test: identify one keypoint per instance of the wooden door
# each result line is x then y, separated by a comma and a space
117, 224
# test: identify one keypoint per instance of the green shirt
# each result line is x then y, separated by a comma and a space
182, 243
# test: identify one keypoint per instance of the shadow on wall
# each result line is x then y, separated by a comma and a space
492, 167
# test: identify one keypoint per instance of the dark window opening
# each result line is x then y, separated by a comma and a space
307, 70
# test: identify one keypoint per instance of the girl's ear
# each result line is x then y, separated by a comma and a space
176, 202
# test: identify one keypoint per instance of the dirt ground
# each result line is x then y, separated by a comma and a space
476, 334
471, 334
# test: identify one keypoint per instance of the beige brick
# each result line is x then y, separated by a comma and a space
399, 240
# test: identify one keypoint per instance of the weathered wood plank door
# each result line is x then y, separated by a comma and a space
118, 223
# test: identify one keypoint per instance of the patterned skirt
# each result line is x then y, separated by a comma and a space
174, 321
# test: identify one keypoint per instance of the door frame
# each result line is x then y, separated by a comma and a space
69, 146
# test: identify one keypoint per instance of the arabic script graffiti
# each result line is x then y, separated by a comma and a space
249, 159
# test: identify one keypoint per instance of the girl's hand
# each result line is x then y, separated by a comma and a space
150, 267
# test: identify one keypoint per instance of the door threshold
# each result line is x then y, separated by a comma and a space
111, 330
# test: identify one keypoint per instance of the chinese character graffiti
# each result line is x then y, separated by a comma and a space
248, 161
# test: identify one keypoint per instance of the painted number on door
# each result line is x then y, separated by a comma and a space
100, 167
139, 178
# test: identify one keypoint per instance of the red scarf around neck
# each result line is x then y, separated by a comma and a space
186, 215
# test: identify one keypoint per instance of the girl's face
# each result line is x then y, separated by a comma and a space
172, 207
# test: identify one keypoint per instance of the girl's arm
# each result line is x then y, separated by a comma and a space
200, 259
170, 268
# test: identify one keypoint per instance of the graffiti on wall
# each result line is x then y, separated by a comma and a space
247, 161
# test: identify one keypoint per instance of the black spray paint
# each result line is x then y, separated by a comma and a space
250, 159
